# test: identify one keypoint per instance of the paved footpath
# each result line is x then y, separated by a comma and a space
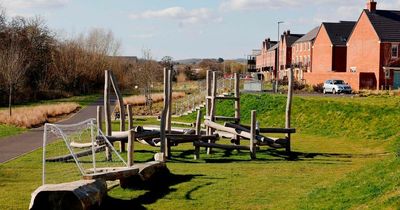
15, 146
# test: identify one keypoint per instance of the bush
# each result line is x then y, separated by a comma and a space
318, 87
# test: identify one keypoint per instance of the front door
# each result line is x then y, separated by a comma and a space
396, 80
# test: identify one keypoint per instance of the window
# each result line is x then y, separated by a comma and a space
395, 50
309, 46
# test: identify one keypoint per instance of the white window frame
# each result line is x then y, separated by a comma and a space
396, 45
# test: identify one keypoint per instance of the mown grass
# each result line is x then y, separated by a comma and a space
335, 169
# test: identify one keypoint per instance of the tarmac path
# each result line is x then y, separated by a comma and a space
15, 146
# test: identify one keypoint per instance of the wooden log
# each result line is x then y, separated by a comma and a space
224, 98
99, 119
193, 137
169, 101
112, 174
107, 111
289, 109
237, 104
68, 157
80, 195
262, 130
220, 146
124, 137
253, 135
208, 92
213, 105
131, 140
244, 133
223, 118
121, 108
164, 145
198, 132
130, 116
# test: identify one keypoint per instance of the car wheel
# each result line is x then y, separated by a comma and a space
333, 91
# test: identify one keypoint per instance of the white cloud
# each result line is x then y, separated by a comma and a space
181, 14
32, 4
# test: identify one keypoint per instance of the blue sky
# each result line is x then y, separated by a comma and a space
189, 28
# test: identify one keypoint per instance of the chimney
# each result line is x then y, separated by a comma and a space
371, 5
288, 32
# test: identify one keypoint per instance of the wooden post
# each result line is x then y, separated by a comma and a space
169, 101
198, 132
253, 135
121, 107
208, 100
130, 117
289, 109
237, 104
107, 113
131, 140
99, 119
164, 145
213, 105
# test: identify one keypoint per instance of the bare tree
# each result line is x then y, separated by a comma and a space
13, 64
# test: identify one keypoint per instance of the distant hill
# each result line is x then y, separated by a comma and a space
198, 60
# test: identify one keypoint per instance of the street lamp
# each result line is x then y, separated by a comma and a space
278, 58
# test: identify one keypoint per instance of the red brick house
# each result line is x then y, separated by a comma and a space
302, 53
285, 51
262, 63
329, 53
373, 49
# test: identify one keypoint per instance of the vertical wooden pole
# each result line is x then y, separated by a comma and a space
169, 102
130, 117
121, 107
164, 116
253, 135
208, 100
131, 140
237, 104
289, 109
99, 119
198, 132
213, 106
107, 112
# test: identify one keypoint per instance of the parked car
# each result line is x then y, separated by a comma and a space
336, 86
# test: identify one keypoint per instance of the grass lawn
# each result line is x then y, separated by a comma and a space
9, 130
347, 158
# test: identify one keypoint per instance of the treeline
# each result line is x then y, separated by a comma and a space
37, 64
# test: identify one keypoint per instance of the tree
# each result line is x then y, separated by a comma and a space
13, 65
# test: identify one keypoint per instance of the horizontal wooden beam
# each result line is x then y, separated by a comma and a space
224, 98
220, 146
263, 130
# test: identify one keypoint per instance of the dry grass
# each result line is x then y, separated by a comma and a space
29, 117
366, 93
141, 100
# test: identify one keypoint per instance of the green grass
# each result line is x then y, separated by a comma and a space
9, 130
347, 158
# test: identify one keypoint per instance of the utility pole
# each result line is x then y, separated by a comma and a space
278, 58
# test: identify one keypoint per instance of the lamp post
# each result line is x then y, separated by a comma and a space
278, 58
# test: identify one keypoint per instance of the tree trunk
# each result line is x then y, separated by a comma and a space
9, 100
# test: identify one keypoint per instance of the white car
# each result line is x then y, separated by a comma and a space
336, 86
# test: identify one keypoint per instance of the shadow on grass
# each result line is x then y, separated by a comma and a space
156, 188
269, 155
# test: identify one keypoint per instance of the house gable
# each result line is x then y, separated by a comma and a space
322, 51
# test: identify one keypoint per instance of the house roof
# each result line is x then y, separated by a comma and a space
310, 36
292, 38
274, 47
386, 24
339, 32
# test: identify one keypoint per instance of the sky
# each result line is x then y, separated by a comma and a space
229, 29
